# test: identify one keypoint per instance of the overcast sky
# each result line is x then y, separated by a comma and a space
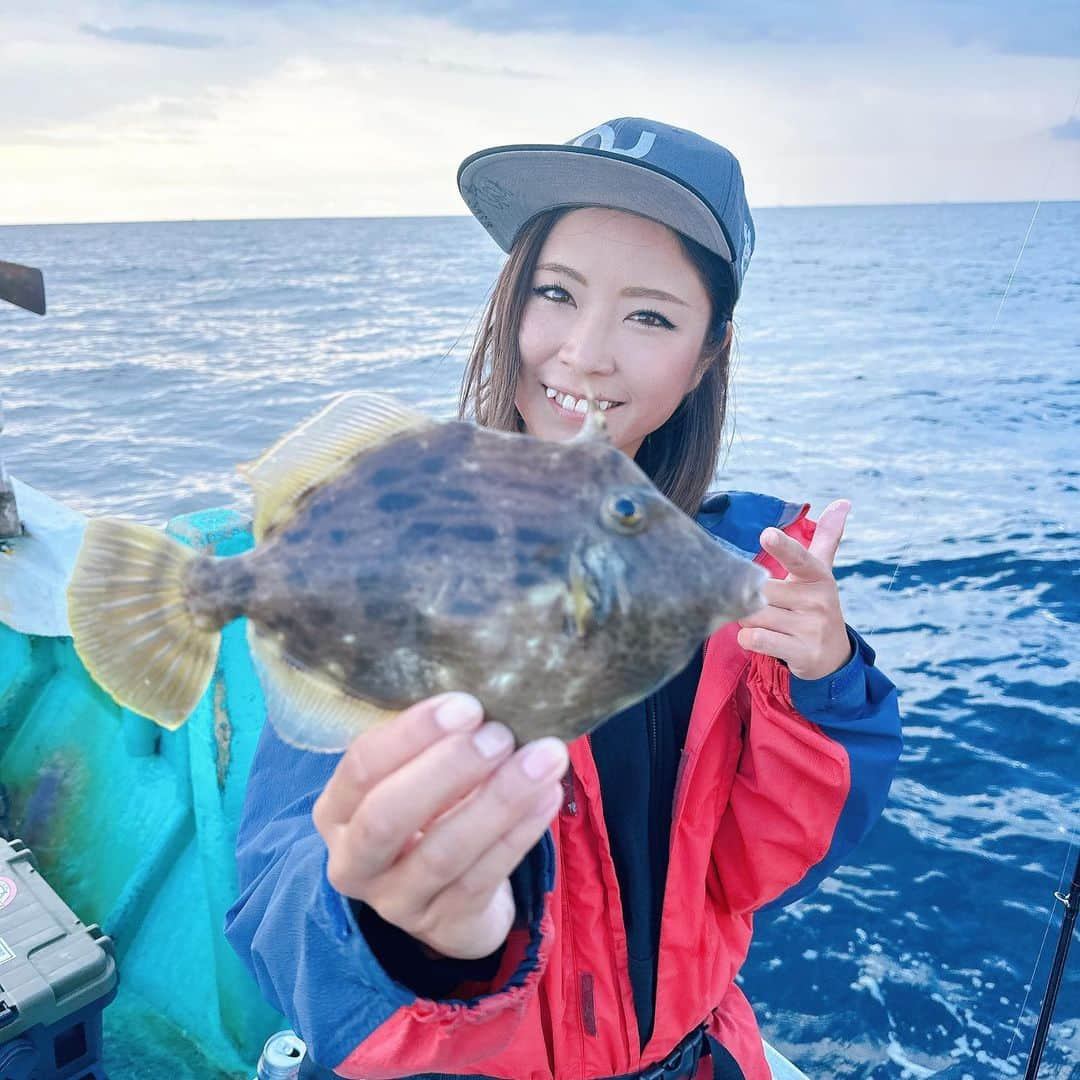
117, 110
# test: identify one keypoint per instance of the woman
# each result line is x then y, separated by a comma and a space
436, 901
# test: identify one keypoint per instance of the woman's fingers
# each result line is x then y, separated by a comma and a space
481, 841
770, 643
416, 793
772, 618
504, 856
381, 750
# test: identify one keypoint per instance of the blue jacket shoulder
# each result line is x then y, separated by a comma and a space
738, 517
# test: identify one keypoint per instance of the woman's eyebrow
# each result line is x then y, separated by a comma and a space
633, 291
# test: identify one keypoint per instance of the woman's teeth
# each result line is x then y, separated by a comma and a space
573, 404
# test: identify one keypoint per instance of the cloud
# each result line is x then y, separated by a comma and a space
1025, 27
154, 35
1069, 130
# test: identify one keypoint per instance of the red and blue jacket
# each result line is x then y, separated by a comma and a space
778, 780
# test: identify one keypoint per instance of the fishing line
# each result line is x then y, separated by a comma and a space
1045, 184
1038, 959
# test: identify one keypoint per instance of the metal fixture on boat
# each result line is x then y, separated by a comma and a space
24, 287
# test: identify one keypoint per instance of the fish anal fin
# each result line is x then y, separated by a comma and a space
308, 711
321, 446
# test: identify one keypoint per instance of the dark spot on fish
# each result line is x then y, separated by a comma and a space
321, 509
393, 618
339, 536
296, 576
388, 474
556, 564
458, 495
296, 536
398, 500
525, 580
467, 607
524, 535
377, 610
476, 534
366, 583
433, 465
421, 530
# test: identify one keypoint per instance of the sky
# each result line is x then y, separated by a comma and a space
125, 110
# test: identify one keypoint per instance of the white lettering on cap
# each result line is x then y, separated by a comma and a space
748, 247
606, 134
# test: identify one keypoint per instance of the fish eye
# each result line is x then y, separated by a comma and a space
625, 513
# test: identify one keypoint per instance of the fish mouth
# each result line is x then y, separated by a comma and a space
734, 584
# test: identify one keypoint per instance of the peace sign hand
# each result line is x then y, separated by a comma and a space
802, 623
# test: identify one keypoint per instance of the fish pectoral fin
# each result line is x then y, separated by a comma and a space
579, 600
307, 710
320, 447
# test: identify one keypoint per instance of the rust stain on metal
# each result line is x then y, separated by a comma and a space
222, 733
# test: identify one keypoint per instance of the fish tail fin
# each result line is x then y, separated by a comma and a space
132, 626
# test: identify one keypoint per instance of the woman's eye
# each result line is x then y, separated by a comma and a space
652, 318
555, 293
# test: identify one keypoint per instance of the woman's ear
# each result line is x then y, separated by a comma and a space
709, 355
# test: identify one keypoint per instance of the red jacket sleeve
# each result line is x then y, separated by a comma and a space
816, 763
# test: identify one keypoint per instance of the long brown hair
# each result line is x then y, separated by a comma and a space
680, 456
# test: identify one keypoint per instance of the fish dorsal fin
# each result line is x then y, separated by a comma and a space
319, 447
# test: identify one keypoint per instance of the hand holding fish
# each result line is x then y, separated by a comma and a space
427, 815
802, 624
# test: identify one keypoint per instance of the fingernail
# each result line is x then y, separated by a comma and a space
839, 504
770, 536
458, 711
543, 757
492, 739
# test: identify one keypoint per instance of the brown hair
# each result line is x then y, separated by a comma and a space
680, 456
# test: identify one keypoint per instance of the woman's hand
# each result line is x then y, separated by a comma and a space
426, 816
802, 624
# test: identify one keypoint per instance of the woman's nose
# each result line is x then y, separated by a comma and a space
587, 349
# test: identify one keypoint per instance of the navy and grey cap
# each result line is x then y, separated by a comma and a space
665, 173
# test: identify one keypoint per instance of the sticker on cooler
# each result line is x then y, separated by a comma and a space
8, 891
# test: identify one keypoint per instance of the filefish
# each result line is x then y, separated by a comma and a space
397, 557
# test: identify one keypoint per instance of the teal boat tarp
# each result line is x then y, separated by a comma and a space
132, 825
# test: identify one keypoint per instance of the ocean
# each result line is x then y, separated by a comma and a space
885, 354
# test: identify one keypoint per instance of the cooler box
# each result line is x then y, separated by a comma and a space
56, 976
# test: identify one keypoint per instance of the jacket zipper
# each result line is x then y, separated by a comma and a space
570, 808
654, 753
569, 793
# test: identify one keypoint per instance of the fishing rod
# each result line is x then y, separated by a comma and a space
1057, 972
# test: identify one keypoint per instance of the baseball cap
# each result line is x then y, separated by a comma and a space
23, 286
671, 175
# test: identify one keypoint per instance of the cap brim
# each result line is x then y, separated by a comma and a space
23, 286
507, 186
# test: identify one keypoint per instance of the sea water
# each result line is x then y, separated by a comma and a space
889, 355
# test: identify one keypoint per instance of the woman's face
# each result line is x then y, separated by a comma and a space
616, 307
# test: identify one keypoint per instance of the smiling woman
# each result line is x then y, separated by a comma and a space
454, 904
673, 357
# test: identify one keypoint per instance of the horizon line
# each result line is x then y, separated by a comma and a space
442, 216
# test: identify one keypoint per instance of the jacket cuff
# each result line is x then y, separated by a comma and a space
843, 693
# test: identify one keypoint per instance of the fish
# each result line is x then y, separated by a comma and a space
397, 557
